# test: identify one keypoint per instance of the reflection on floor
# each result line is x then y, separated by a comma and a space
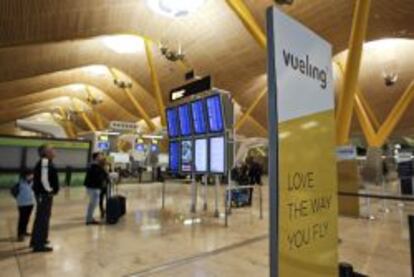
151, 242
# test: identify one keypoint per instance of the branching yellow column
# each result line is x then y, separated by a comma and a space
96, 114
346, 98
248, 112
243, 12
364, 121
141, 111
155, 82
395, 115
373, 118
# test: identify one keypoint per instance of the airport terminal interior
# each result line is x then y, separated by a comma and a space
207, 138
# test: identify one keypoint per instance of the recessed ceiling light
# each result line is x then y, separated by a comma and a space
96, 70
77, 87
175, 8
124, 44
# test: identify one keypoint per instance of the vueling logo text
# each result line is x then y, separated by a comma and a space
305, 67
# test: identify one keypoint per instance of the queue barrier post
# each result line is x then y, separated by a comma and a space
260, 202
163, 195
216, 194
384, 191
411, 232
205, 178
193, 194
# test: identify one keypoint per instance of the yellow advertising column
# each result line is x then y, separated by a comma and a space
303, 180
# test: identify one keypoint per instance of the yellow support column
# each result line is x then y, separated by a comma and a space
395, 115
87, 121
141, 111
373, 118
69, 128
96, 114
365, 122
346, 98
84, 116
251, 108
155, 82
242, 11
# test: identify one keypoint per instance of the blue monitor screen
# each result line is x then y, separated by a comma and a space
172, 122
154, 148
103, 145
215, 114
185, 120
199, 119
140, 147
174, 156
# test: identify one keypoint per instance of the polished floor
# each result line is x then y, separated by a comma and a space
173, 242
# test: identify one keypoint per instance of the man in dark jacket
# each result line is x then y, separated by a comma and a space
45, 186
96, 178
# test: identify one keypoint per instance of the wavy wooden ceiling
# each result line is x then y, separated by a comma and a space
44, 44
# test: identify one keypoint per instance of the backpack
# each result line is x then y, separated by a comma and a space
14, 191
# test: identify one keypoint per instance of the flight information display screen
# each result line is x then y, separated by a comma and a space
172, 122
217, 155
199, 117
154, 148
186, 156
185, 120
215, 114
140, 147
200, 155
174, 156
103, 145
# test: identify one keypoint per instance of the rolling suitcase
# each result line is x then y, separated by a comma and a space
115, 206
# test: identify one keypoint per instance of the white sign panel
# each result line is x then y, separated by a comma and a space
346, 153
304, 69
217, 155
200, 155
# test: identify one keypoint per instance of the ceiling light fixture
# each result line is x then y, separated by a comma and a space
175, 8
77, 87
124, 44
96, 70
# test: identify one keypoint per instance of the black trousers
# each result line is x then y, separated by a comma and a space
102, 198
40, 231
24, 217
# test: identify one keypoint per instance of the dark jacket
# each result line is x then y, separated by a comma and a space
52, 176
96, 177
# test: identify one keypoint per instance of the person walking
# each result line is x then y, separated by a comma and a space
96, 179
45, 187
25, 201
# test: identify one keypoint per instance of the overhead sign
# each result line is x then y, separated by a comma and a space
346, 153
123, 125
303, 179
192, 88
